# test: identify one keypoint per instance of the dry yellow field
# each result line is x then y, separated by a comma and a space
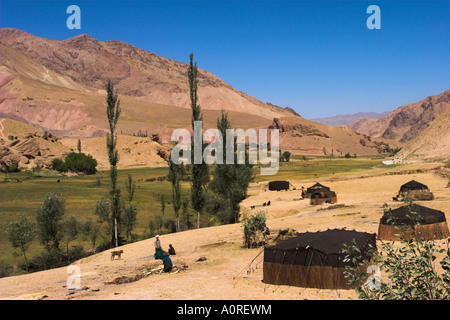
223, 275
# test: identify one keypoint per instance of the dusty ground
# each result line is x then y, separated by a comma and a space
223, 275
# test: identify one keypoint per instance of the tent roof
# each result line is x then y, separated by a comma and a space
414, 185
279, 185
405, 215
323, 248
330, 241
318, 186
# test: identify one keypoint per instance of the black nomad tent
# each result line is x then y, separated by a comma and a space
278, 185
430, 223
318, 193
416, 190
315, 187
314, 260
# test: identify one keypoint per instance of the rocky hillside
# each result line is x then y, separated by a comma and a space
27, 146
135, 72
57, 86
302, 136
432, 143
406, 122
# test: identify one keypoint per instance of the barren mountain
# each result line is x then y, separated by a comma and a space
302, 136
406, 122
135, 72
57, 86
345, 119
432, 143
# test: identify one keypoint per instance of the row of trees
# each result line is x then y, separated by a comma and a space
52, 232
222, 193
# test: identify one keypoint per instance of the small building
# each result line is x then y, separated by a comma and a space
315, 260
320, 194
279, 185
415, 190
413, 222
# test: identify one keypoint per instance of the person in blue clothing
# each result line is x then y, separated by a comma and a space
167, 263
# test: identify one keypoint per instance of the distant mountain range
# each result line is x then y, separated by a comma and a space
58, 86
345, 119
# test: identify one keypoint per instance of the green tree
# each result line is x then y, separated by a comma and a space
79, 146
230, 181
90, 230
162, 200
185, 210
8, 169
71, 230
48, 221
77, 162
287, 156
175, 175
130, 210
130, 186
130, 219
113, 112
200, 172
21, 233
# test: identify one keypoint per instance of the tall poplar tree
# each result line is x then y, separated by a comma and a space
113, 112
200, 172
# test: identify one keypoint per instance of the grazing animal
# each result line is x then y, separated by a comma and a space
268, 203
116, 253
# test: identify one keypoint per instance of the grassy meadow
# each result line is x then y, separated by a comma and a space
81, 192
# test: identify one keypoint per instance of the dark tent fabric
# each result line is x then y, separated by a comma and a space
323, 193
322, 248
278, 185
315, 187
413, 185
407, 215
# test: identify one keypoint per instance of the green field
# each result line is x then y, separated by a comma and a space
81, 192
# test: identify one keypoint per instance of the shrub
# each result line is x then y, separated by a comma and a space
79, 162
58, 165
410, 268
253, 228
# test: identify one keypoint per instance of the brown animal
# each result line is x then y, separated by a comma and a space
116, 253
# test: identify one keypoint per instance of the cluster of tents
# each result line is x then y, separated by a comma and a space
317, 193
316, 260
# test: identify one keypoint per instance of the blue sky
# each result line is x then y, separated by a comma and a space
317, 57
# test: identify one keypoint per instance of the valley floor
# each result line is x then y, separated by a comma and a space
223, 275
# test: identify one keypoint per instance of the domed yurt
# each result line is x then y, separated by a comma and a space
319, 194
278, 185
429, 224
314, 260
415, 190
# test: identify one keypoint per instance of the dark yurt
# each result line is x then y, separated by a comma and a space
278, 185
314, 260
320, 194
430, 224
315, 187
416, 190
